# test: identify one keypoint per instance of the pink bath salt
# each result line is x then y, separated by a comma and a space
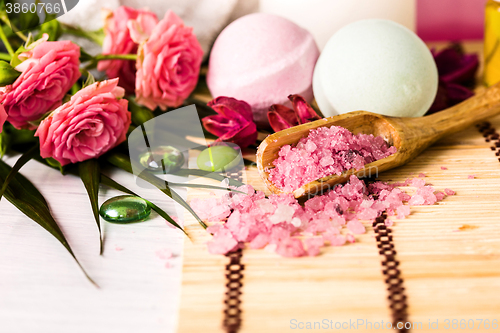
417, 182
440, 195
277, 222
164, 253
444, 168
117, 248
368, 214
471, 176
421, 175
222, 242
324, 152
290, 247
350, 238
378, 187
449, 192
417, 200
403, 211
211, 210
356, 227
260, 241
335, 240
313, 246
214, 228
283, 213
388, 223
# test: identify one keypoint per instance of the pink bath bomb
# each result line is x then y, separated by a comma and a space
261, 59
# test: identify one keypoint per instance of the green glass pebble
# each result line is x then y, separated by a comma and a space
124, 209
173, 159
218, 158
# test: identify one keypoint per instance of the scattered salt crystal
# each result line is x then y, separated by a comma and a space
117, 248
222, 242
313, 246
388, 223
356, 227
421, 175
350, 238
164, 253
335, 240
271, 248
449, 192
471, 176
280, 224
417, 182
439, 195
444, 168
296, 222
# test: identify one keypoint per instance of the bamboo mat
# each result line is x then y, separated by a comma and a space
449, 256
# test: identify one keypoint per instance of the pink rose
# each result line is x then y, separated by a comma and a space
49, 71
119, 41
3, 117
168, 64
234, 122
95, 120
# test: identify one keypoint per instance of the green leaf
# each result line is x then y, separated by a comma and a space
20, 137
52, 28
90, 80
209, 187
26, 197
8, 74
15, 58
4, 143
19, 164
140, 114
96, 36
55, 164
123, 162
105, 180
90, 172
206, 174
84, 56
28, 20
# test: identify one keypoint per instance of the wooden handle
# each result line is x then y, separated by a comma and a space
473, 110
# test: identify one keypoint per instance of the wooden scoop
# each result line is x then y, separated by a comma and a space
409, 135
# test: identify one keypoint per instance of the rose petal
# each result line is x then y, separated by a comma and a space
304, 111
281, 117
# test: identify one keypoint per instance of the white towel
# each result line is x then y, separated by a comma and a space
207, 17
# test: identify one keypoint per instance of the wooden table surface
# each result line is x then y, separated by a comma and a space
42, 290
449, 256
448, 273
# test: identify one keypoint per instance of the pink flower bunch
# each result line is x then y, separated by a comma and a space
48, 70
168, 64
95, 120
118, 40
233, 123
168, 56
3, 117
